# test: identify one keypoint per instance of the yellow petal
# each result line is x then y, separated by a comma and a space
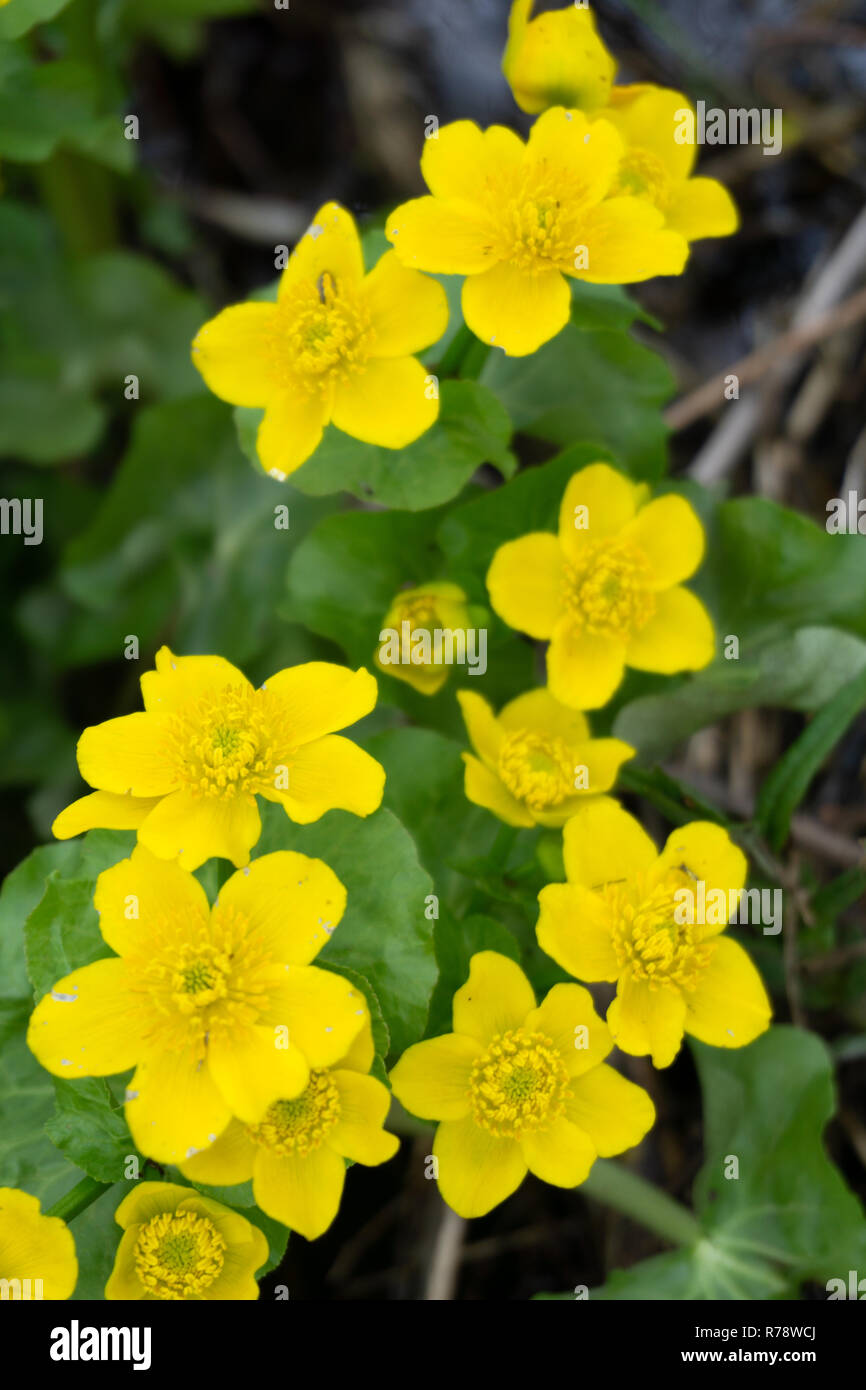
477, 1171
626, 241
707, 852
35, 1246
614, 1112
107, 810
431, 1079
322, 1012
525, 583
589, 151
516, 310
228, 1161
583, 669
87, 1024
179, 680
647, 1021
129, 754
147, 1200
597, 503
483, 788
669, 533
252, 1068
702, 208
568, 1017
320, 697
648, 118
557, 59
123, 1281
358, 1134
330, 243
173, 1106
482, 726
678, 637
292, 904
234, 353
134, 898
539, 712
497, 996
729, 1007
332, 772
361, 1052
408, 311
450, 238
192, 828
387, 402
602, 844
560, 1153
303, 1193
602, 758
461, 159
290, 432
236, 1280
574, 929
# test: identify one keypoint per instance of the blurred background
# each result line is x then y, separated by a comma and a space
114, 251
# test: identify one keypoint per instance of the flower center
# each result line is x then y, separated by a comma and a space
536, 768
534, 215
642, 174
518, 1084
648, 938
298, 1126
178, 1255
227, 743
608, 591
323, 334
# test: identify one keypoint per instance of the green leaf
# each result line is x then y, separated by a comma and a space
46, 105
800, 671
384, 934
28, 1159
20, 894
90, 1130
21, 15
472, 429
456, 943
788, 782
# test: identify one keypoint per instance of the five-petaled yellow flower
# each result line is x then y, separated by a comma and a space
37, 1253
178, 1245
409, 647
536, 760
556, 59
296, 1155
337, 347
518, 1088
630, 914
185, 773
607, 591
218, 1009
517, 219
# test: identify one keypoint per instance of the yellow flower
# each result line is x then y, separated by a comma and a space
181, 1246
409, 653
517, 218
657, 167
337, 347
607, 592
630, 914
537, 759
296, 1155
186, 772
37, 1253
218, 1009
518, 1088
556, 59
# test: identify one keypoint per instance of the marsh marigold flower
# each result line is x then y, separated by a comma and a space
180, 1246
536, 760
518, 1088
517, 219
337, 347
556, 59
218, 1008
607, 591
37, 1252
624, 915
407, 642
297, 1155
185, 774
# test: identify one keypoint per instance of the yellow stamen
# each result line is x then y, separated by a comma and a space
300, 1125
518, 1084
648, 938
178, 1255
537, 768
607, 592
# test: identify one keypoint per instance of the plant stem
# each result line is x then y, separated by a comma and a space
74, 1202
464, 356
619, 1187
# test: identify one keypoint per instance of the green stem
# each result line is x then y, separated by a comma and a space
473, 360
74, 1202
622, 1189
449, 363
